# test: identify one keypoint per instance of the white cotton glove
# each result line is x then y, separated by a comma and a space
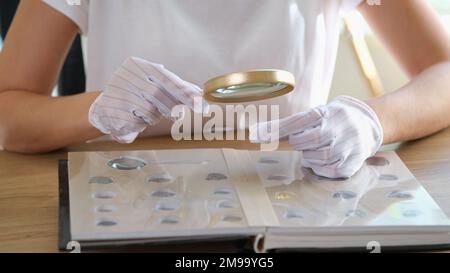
138, 94
335, 139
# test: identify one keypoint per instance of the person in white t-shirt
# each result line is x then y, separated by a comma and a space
178, 45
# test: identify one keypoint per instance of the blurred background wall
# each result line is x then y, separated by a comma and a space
349, 79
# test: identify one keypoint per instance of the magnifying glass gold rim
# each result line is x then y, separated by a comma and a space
271, 76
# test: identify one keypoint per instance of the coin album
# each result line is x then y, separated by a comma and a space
266, 198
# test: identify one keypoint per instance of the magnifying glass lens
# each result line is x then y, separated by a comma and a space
249, 89
249, 86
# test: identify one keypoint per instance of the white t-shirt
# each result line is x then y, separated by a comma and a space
199, 39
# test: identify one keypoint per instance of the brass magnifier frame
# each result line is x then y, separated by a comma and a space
249, 86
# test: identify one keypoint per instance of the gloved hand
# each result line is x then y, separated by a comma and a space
335, 139
138, 94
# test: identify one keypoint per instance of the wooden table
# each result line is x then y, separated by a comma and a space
29, 184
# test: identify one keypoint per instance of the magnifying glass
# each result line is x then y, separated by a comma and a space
249, 86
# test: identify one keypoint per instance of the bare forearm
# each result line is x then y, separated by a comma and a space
37, 123
418, 109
